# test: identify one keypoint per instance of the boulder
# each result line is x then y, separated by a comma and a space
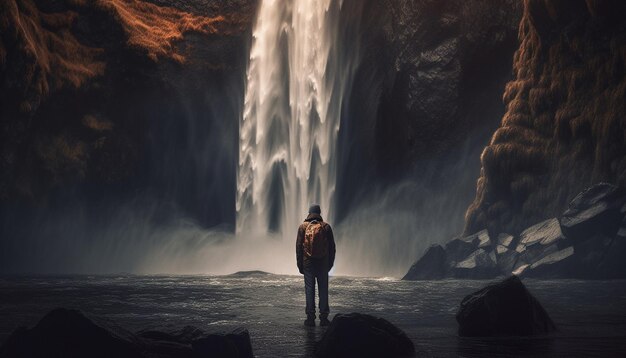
431, 266
230, 345
70, 333
613, 264
559, 264
539, 241
591, 254
503, 309
459, 249
504, 241
479, 264
362, 335
597, 210
545, 233
506, 256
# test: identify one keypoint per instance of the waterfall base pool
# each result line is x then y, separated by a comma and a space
590, 315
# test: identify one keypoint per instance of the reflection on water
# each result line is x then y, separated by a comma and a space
591, 315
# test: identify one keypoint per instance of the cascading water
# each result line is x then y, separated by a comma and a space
296, 82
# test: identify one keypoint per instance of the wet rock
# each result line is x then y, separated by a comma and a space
70, 333
613, 265
597, 210
503, 309
558, 264
544, 233
431, 266
504, 241
591, 254
459, 249
362, 335
479, 264
539, 241
231, 345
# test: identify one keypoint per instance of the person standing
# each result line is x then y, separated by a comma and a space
315, 256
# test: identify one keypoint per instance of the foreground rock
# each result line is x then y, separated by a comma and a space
503, 309
361, 335
69, 333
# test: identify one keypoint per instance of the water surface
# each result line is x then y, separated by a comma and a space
591, 315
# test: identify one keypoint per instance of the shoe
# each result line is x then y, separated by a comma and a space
324, 321
310, 322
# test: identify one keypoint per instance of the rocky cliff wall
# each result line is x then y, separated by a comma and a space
426, 98
564, 126
98, 97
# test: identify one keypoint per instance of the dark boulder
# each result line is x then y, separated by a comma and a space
596, 210
558, 264
459, 249
362, 335
431, 266
537, 242
503, 309
69, 333
506, 256
479, 264
230, 345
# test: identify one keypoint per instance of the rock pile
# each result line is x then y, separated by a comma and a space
588, 241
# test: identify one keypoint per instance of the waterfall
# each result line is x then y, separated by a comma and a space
297, 79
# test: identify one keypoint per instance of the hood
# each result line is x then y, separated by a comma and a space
314, 216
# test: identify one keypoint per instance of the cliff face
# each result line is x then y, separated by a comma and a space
564, 126
427, 95
90, 90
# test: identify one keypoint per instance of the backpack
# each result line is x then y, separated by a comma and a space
315, 241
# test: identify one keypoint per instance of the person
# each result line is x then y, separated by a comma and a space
315, 256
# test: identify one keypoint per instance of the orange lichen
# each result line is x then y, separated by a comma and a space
97, 124
52, 57
156, 28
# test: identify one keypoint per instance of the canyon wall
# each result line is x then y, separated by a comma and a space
111, 98
426, 98
564, 126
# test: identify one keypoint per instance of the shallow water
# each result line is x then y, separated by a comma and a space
591, 315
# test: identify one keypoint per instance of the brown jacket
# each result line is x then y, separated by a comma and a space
300, 258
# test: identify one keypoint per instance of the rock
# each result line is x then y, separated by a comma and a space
362, 335
545, 233
597, 210
431, 266
558, 264
506, 261
479, 264
459, 249
539, 241
504, 241
235, 344
506, 256
69, 333
503, 309
613, 264
591, 254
